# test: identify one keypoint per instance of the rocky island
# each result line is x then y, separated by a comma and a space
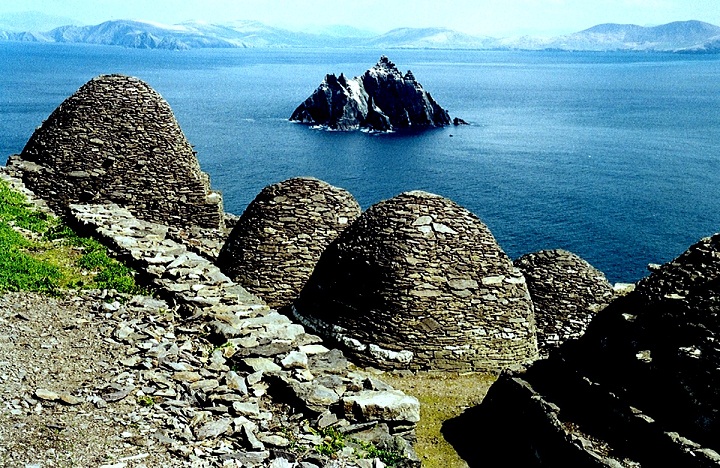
382, 99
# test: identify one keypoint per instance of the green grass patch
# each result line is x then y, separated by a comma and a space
20, 271
59, 259
335, 441
388, 456
15, 209
145, 400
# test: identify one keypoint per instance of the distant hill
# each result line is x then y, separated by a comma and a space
689, 32
141, 34
429, 38
710, 47
189, 35
340, 31
681, 36
23, 36
671, 36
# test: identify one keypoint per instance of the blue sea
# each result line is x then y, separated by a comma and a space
613, 156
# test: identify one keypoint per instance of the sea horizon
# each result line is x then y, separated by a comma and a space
609, 155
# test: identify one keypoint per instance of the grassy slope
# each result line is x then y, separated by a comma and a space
39, 253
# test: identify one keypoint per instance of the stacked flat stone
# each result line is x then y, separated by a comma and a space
117, 140
641, 387
677, 279
278, 240
566, 291
418, 282
281, 364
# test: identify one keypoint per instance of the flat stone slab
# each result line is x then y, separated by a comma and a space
371, 405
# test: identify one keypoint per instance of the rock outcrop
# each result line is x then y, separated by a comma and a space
566, 291
640, 388
382, 99
117, 140
418, 282
278, 240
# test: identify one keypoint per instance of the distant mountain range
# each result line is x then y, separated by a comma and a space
429, 38
681, 36
676, 37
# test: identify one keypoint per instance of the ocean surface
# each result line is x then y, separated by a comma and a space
613, 156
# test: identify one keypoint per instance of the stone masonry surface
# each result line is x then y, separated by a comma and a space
566, 291
116, 139
692, 269
419, 282
275, 378
640, 388
278, 240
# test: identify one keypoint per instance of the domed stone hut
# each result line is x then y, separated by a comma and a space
418, 282
117, 140
277, 241
642, 384
567, 293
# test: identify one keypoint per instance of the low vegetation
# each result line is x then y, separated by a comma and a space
39, 253
335, 441
442, 396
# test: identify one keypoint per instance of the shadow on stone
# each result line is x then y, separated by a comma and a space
468, 436
640, 388
512, 428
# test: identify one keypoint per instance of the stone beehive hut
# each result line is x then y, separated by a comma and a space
641, 387
116, 140
279, 238
418, 282
566, 291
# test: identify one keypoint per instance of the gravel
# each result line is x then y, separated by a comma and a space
59, 366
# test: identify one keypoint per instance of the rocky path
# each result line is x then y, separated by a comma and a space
90, 381
65, 397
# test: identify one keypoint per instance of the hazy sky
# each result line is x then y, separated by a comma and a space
485, 17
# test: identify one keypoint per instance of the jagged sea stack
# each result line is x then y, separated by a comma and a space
566, 291
382, 99
275, 245
418, 282
117, 140
641, 387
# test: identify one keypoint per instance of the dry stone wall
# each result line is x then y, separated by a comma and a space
566, 291
282, 380
278, 240
418, 282
117, 140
